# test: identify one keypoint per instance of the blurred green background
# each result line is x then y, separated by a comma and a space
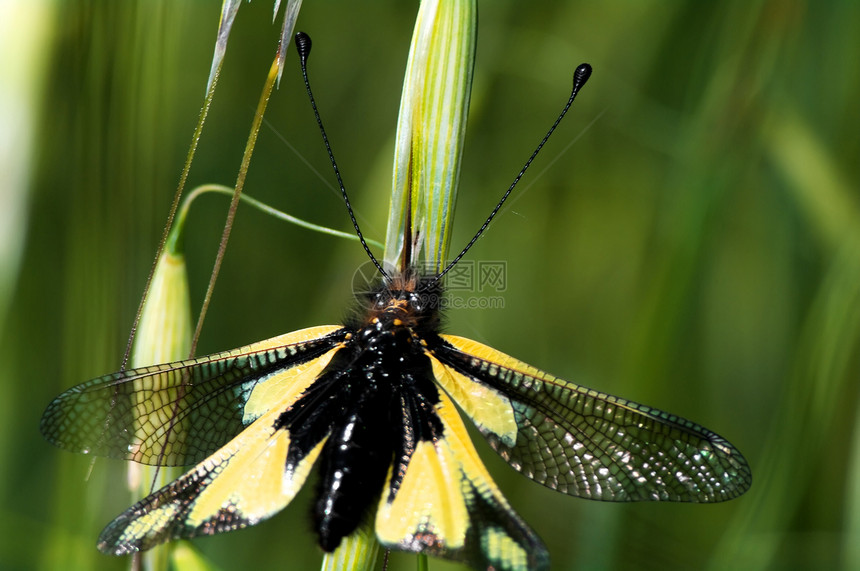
689, 239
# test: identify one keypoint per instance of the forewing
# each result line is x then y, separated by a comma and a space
249, 479
448, 506
178, 413
590, 444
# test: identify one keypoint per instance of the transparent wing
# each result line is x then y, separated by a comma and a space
590, 444
178, 413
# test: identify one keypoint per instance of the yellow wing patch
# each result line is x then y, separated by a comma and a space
489, 409
429, 508
499, 546
249, 478
293, 338
448, 505
284, 386
487, 353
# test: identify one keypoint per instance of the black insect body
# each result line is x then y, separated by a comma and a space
376, 399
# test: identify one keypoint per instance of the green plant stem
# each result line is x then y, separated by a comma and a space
174, 241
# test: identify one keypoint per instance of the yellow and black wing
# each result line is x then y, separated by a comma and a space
227, 406
447, 505
179, 413
251, 478
583, 442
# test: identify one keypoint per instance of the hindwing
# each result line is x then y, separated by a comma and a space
447, 505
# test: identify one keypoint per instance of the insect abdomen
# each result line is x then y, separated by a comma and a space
354, 466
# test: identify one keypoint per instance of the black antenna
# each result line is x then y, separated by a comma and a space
303, 45
580, 76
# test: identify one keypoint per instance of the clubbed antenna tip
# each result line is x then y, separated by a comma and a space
303, 45
580, 75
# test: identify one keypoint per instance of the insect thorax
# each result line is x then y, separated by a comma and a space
404, 301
